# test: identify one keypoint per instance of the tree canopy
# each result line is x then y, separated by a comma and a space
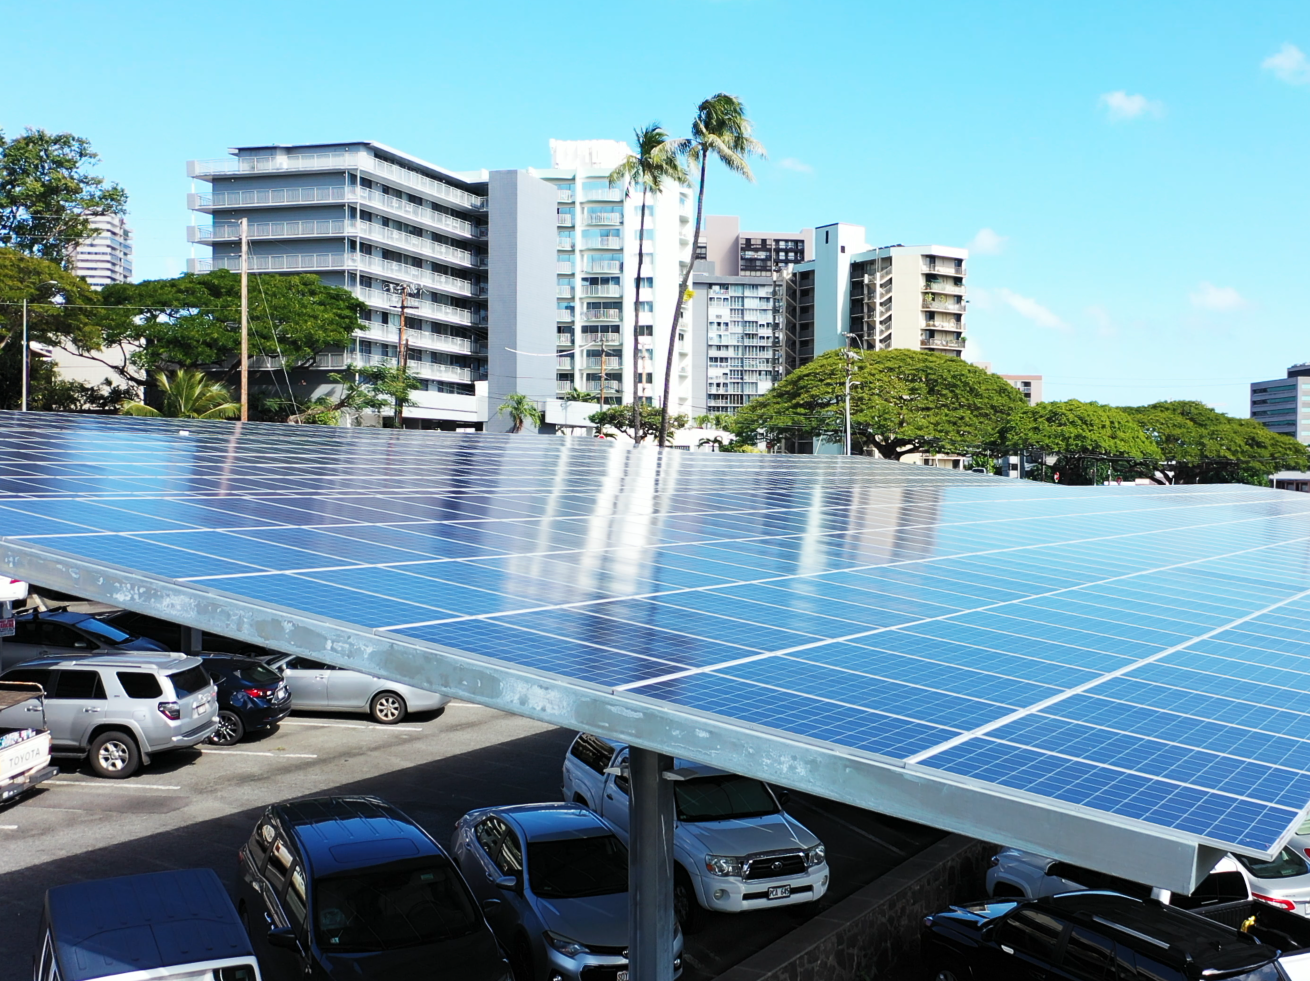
1079, 433
620, 417
48, 195
1199, 445
901, 402
194, 321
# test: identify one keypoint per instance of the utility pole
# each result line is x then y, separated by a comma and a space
25, 356
601, 399
245, 327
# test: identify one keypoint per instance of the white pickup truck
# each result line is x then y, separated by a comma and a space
24, 742
734, 846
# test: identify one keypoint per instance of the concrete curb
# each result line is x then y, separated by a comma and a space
874, 933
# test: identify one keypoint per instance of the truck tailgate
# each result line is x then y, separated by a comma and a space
25, 755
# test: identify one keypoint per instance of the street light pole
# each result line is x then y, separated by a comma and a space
850, 366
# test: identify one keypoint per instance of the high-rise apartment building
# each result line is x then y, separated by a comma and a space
106, 257
597, 248
1283, 404
738, 253
736, 336
470, 254
1030, 386
896, 296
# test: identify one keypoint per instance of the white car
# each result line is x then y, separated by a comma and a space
1283, 881
323, 687
734, 846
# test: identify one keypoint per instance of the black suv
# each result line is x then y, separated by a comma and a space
349, 888
1090, 936
251, 696
170, 635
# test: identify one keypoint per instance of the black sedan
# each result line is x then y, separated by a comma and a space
251, 696
170, 634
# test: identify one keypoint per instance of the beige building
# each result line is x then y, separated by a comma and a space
738, 253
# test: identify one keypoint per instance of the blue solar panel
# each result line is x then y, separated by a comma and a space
1139, 654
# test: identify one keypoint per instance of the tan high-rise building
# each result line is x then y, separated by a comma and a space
106, 257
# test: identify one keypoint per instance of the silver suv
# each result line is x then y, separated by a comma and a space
119, 709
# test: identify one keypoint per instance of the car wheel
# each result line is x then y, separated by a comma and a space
387, 707
520, 962
114, 755
229, 731
686, 908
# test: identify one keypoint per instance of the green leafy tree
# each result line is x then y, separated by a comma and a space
721, 131
194, 322
654, 163
620, 417
1086, 438
578, 395
1199, 445
61, 312
520, 410
363, 388
48, 195
901, 402
188, 394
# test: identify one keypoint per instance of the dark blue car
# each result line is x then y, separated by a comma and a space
349, 888
252, 697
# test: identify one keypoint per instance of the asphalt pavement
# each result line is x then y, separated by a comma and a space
197, 807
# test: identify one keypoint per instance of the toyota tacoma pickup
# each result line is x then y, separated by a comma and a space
24, 741
734, 846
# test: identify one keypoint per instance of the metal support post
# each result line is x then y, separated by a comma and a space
245, 324
26, 355
192, 640
650, 867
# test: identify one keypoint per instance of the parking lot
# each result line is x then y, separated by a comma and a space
197, 807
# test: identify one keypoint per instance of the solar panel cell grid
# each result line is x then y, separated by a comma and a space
1140, 653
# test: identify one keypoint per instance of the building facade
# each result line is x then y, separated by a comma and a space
761, 254
1282, 405
1029, 386
106, 257
737, 337
470, 254
599, 238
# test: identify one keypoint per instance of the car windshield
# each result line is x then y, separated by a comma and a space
190, 681
392, 907
258, 674
103, 630
723, 797
1286, 864
575, 867
1305, 827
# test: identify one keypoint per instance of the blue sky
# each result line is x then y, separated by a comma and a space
1131, 176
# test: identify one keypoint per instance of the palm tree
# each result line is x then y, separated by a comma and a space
720, 130
189, 394
655, 161
521, 409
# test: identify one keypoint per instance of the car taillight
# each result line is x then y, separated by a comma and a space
1280, 903
259, 692
169, 710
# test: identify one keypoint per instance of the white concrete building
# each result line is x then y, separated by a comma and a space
596, 272
736, 340
106, 257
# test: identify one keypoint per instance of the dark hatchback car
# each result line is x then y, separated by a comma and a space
251, 696
56, 633
170, 635
351, 889
1089, 935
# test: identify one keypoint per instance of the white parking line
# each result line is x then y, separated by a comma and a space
352, 725
470, 705
111, 785
252, 752
8, 827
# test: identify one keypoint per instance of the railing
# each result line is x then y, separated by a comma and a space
604, 218
603, 316
563, 267
603, 265
339, 260
939, 305
943, 287
943, 270
439, 311
611, 388
563, 316
602, 241
400, 206
954, 342
602, 291
231, 232
343, 160
564, 361
564, 292
566, 220
423, 369
564, 196
564, 242
602, 194
564, 339
419, 338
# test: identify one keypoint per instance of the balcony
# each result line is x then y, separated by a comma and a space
419, 339
267, 196
563, 339
564, 361
563, 195
603, 194
611, 387
565, 220
943, 268
231, 232
602, 242
340, 260
564, 292
601, 316
564, 242
341, 161
942, 305
419, 308
396, 205
943, 286
955, 343
600, 265
564, 267
602, 291
604, 218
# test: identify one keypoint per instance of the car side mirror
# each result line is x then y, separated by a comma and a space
507, 882
783, 795
283, 938
490, 905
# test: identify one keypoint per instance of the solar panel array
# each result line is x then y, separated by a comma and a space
1141, 653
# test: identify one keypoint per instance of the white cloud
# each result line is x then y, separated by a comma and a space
799, 166
987, 242
1030, 309
1208, 296
1289, 64
1122, 106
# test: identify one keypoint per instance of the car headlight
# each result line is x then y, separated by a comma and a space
724, 865
567, 947
815, 856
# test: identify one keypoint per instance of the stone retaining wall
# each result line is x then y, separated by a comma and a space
875, 933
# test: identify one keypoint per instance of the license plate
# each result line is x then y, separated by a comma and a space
202, 708
779, 892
